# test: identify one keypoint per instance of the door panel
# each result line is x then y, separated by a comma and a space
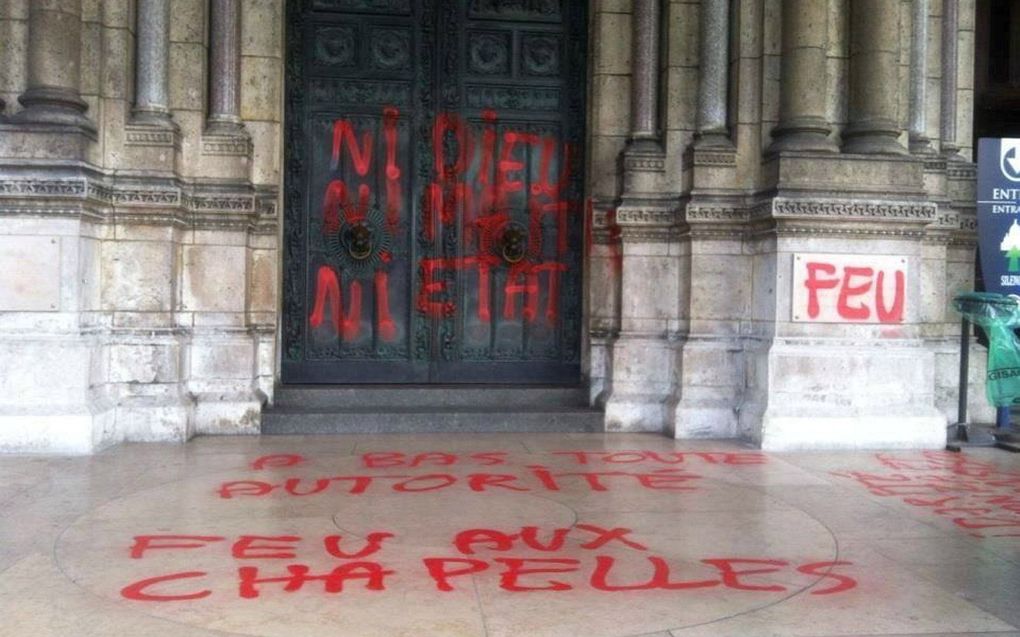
433, 220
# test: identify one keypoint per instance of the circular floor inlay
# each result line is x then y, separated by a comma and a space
332, 547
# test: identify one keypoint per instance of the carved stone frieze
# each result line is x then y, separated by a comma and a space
167, 201
627, 216
712, 213
239, 145
641, 223
848, 209
44, 187
964, 171
644, 162
714, 157
136, 135
146, 197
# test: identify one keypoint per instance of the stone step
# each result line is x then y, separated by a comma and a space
417, 419
495, 397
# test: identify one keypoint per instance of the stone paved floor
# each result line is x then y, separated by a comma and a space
530, 535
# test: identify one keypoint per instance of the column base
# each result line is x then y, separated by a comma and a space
921, 145
224, 126
67, 432
153, 118
705, 419
54, 107
713, 140
781, 433
809, 134
153, 419
639, 413
152, 143
234, 414
851, 393
952, 152
872, 140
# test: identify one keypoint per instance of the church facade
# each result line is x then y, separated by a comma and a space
722, 218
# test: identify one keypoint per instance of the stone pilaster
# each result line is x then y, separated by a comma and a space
950, 54
874, 73
802, 118
713, 76
52, 96
919, 142
643, 355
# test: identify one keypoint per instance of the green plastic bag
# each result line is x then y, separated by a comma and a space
999, 315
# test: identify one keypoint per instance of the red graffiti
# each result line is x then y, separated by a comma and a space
435, 458
139, 591
277, 460
475, 187
861, 292
976, 496
298, 575
494, 540
587, 569
538, 478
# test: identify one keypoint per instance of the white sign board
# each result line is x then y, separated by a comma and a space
849, 288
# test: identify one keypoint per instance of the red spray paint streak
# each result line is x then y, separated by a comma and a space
582, 569
976, 495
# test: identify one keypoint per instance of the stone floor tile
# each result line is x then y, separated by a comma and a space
501, 536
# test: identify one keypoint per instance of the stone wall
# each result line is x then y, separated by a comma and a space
788, 128
140, 152
139, 225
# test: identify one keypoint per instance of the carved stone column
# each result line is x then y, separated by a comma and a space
713, 75
644, 111
950, 51
803, 125
224, 67
54, 53
152, 96
874, 71
919, 142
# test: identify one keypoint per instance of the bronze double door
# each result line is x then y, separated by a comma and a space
434, 213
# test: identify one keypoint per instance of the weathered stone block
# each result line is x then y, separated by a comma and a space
188, 21
221, 359
720, 287
610, 108
138, 276
262, 290
187, 76
261, 28
613, 30
144, 363
261, 82
13, 49
32, 278
268, 151
213, 278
